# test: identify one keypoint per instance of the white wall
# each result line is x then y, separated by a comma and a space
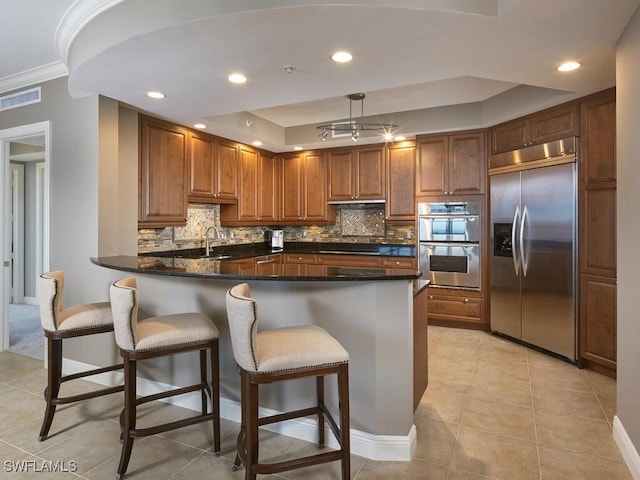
628, 228
74, 200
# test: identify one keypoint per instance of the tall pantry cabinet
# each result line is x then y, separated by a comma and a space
597, 223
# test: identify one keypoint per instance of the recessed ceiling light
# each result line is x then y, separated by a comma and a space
256, 143
341, 57
156, 94
237, 78
199, 125
297, 148
569, 66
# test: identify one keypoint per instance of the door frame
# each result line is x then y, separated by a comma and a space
17, 220
6, 137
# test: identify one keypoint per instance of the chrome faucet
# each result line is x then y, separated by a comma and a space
207, 238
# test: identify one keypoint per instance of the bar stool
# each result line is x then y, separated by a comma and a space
59, 323
156, 337
285, 354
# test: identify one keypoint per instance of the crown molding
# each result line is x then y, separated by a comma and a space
30, 77
77, 16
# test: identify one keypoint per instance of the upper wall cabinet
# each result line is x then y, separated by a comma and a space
304, 189
162, 191
213, 169
551, 124
258, 201
451, 164
356, 174
401, 178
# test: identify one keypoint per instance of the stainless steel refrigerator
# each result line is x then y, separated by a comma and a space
533, 256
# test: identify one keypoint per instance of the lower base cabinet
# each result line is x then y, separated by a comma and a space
449, 307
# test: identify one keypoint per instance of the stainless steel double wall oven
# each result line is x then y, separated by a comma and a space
449, 243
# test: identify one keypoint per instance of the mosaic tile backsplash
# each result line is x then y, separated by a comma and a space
354, 224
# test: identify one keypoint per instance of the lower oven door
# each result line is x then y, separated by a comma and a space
450, 264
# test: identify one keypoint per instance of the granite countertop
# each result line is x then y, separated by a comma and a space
259, 249
221, 264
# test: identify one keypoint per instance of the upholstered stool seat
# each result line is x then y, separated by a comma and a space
284, 354
59, 323
155, 337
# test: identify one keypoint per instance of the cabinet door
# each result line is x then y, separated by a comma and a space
226, 170
341, 181
401, 203
248, 202
467, 164
454, 306
162, 174
554, 124
433, 153
341, 260
598, 334
315, 187
510, 136
202, 168
292, 207
268, 204
369, 174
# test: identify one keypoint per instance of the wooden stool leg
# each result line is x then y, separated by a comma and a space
343, 398
320, 400
129, 417
203, 381
241, 442
251, 427
54, 374
215, 395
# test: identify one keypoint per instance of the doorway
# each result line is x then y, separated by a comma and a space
24, 156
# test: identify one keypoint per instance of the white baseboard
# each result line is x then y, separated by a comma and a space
30, 300
629, 452
363, 444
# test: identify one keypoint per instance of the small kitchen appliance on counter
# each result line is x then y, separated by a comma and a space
277, 238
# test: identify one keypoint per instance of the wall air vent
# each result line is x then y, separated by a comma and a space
20, 99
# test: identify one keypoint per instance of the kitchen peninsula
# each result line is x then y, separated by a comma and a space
369, 310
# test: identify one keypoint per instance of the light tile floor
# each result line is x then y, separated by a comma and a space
493, 410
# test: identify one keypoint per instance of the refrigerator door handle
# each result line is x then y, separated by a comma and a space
514, 226
522, 253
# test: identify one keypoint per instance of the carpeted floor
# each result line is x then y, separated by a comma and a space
25, 332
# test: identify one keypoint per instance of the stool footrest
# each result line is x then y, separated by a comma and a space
165, 427
171, 393
281, 417
83, 396
89, 373
267, 468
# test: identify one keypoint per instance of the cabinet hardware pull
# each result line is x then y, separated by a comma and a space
466, 300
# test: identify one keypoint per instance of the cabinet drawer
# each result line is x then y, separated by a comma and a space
340, 260
462, 308
395, 262
300, 258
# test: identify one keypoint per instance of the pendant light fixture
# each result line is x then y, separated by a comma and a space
356, 125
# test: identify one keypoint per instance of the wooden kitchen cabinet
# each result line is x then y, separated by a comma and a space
356, 174
213, 169
346, 260
400, 205
304, 189
258, 201
456, 308
451, 164
597, 233
399, 263
552, 124
162, 191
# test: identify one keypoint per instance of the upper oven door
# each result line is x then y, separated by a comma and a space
449, 228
